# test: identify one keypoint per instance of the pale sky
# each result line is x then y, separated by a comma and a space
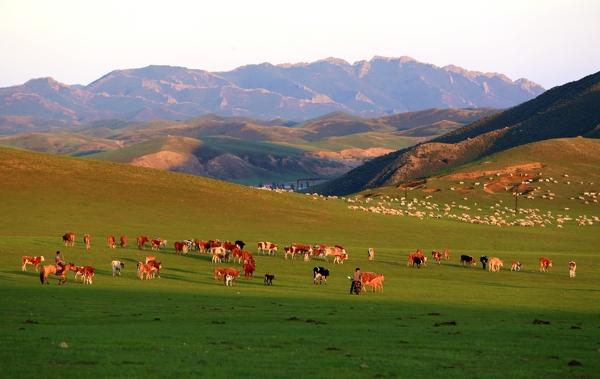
550, 42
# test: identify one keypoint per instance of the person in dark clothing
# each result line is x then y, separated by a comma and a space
355, 279
483, 260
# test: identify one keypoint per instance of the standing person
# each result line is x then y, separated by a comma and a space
483, 260
355, 279
60, 266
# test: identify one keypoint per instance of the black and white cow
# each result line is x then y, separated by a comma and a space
417, 261
320, 274
116, 267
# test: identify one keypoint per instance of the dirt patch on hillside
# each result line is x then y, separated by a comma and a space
428, 190
508, 170
352, 153
168, 160
507, 184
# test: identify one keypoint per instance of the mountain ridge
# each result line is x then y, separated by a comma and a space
300, 91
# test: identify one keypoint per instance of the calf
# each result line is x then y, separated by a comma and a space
31, 261
436, 255
269, 279
123, 241
78, 270
117, 266
228, 280
110, 241
320, 274
86, 240
375, 284
572, 269
371, 254
516, 266
446, 254
468, 260
340, 258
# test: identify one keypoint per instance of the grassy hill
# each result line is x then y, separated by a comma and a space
567, 111
240, 161
442, 320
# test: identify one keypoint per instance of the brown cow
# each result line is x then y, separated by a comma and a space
418, 254
219, 272
86, 240
88, 274
156, 244
544, 264
446, 254
144, 268
367, 277
268, 246
78, 270
156, 265
572, 269
289, 250
123, 241
233, 272
340, 258
141, 242
436, 255
249, 269
110, 241
180, 248
303, 249
69, 238
31, 261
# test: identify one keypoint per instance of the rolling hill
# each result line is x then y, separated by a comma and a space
375, 88
566, 111
243, 149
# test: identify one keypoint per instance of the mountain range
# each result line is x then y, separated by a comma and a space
570, 110
375, 88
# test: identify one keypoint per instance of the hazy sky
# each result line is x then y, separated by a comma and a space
550, 42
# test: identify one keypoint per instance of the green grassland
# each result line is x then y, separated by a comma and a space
185, 324
365, 141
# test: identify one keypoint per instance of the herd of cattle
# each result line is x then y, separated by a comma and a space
224, 252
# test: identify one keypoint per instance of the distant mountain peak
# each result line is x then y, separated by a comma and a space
300, 91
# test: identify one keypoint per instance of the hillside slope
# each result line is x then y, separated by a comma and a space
567, 111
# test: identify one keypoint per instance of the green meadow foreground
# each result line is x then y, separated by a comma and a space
444, 320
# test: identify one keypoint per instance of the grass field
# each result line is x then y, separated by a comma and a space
185, 324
